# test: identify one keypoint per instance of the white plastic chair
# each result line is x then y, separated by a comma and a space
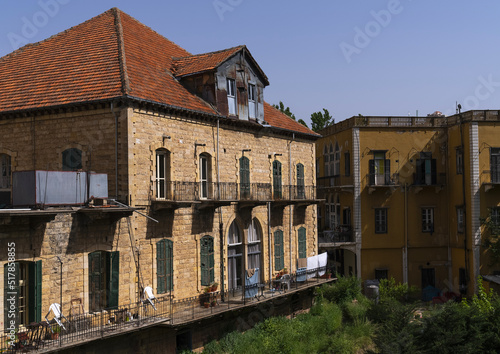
285, 281
58, 316
149, 296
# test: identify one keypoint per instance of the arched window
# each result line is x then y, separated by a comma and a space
244, 177
279, 251
162, 174
302, 243
164, 266
104, 271
72, 159
234, 256
332, 161
5, 179
254, 244
207, 260
277, 188
326, 160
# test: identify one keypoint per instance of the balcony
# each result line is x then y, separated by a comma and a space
342, 183
490, 179
376, 181
212, 194
83, 328
436, 181
341, 235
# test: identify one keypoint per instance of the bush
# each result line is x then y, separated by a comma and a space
344, 289
400, 292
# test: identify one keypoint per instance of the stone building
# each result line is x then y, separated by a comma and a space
202, 178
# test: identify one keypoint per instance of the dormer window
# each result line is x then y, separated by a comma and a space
252, 106
231, 96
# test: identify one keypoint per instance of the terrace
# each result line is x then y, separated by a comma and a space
83, 328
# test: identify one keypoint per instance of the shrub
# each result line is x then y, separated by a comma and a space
400, 292
344, 289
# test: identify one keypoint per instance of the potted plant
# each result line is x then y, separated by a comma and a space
214, 287
206, 305
213, 303
55, 334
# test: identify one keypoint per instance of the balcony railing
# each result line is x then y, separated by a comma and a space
342, 233
82, 328
385, 179
335, 181
229, 191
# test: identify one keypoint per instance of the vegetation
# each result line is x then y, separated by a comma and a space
281, 107
491, 238
321, 120
344, 321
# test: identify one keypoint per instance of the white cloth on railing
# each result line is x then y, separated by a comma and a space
252, 284
316, 265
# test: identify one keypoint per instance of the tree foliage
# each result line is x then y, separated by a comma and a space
491, 238
321, 120
281, 107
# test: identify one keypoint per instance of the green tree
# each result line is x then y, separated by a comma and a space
321, 120
491, 238
282, 109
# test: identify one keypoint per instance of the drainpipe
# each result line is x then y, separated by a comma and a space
291, 206
116, 150
269, 240
221, 224
405, 254
462, 147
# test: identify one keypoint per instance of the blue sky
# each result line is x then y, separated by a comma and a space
372, 57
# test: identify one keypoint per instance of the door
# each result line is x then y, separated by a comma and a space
244, 178
203, 177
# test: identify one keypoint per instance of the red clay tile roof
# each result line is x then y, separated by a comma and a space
109, 56
278, 119
202, 62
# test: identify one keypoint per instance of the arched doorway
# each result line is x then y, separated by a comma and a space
234, 256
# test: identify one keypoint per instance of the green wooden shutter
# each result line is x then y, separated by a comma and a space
300, 181
11, 294
302, 243
169, 248
387, 171
277, 179
278, 250
34, 291
38, 292
207, 260
95, 288
114, 279
161, 267
244, 177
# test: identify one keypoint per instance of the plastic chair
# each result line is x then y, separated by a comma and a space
285, 281
58, 316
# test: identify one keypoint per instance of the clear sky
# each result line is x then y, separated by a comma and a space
371, 57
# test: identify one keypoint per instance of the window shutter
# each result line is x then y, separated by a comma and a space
278, 250
169, 246
302, 243
371, 172
95, 281
387, 168
420, 172
38, 292
114, 279
11, 292
205, 261
160, 267
277, 179
495, 165
245, 177
300, 181
433, 172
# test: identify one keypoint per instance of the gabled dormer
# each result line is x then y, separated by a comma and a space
230, 80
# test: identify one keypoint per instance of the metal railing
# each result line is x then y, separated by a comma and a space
81, 328
385, 179
342, 233
230, 191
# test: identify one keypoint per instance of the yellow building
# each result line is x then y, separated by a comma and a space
404, 197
